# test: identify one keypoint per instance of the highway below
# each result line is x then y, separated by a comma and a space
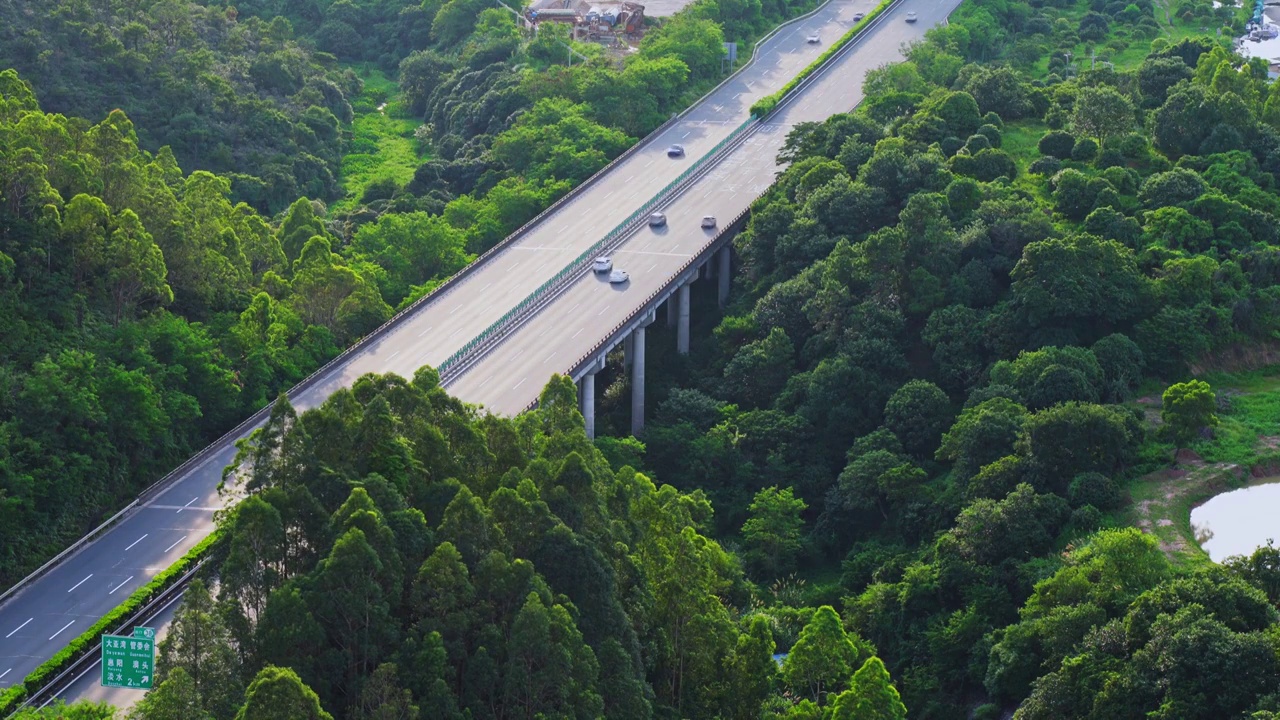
39, 619
510, 377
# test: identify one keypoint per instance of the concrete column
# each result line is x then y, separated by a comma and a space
628, 345
671, 312
682, 330
589, 403
723, 274
637, 381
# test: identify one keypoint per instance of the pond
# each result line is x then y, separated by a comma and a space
1238, 522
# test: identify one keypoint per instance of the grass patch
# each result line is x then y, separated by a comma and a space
1021, 140
1251, 426
1248, 381
382, 144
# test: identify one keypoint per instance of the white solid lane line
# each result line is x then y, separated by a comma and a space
64, 627
73, 587
135, 542
114, 589
184, 537
184, 507
6, 672
19, 628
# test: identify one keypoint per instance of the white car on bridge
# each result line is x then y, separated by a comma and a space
604, 263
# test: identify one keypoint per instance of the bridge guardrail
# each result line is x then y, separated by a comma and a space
811, 73
621, 330
451, 366
755, 48
812, 77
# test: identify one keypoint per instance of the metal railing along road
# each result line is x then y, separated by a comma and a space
89, 657
623, 328
650, 303
452, 366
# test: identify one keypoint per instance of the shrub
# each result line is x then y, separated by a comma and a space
1057, 144
1093, 489
977, 143
1085, 150
1046, 166
991, 133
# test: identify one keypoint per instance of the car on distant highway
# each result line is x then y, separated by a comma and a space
657, 220
604, 263
617, 277
911, 16
813, 39
675, 151
708, 221
858, 16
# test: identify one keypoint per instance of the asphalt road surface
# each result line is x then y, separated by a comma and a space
37, 622
512, 375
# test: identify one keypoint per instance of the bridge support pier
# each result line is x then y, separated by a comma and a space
637, 381
589, 403
682, 330
628, 352
722, 274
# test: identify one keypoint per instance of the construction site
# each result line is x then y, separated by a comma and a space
610, 23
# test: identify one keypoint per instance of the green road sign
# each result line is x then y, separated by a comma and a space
129, 661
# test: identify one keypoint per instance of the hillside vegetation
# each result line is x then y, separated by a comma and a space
236, 96
962, 350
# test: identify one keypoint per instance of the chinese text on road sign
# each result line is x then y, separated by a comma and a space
128, 662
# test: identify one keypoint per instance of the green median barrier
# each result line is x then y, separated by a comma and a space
88, 640
595, 248
766, 104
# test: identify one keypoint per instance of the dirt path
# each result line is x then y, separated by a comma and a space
1163, 500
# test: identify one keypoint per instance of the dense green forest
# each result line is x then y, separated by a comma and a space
401, 556
236, 96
